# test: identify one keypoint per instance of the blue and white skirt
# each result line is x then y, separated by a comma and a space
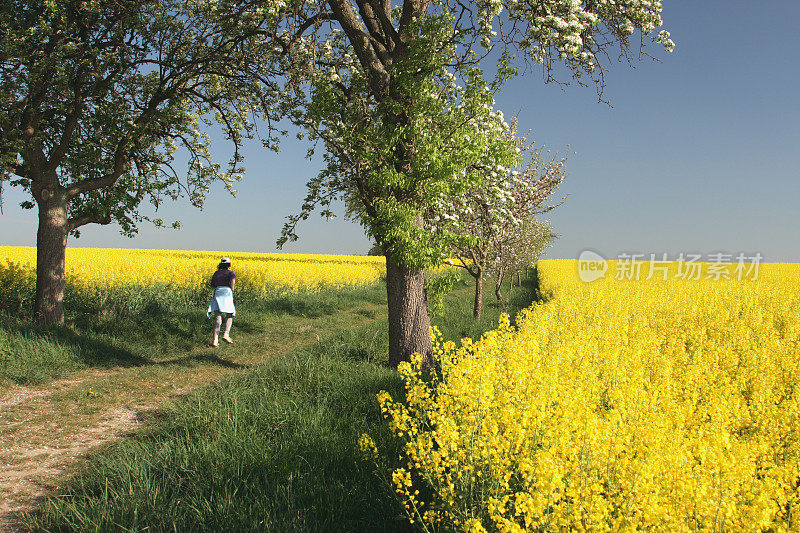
221, 302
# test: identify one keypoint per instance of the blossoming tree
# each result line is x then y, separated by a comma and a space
497, 220
96, 97
374, 81
519, 251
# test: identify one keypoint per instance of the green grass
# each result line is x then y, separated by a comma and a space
457, 321
271, 448
98, 337
27, 357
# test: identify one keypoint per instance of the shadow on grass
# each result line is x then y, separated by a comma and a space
30, 354
191, 360
90, 351
311, 304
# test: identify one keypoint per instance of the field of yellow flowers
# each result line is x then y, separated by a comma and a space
101, 267
616, 405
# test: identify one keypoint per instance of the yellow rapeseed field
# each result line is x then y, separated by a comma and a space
615, 405
128, 267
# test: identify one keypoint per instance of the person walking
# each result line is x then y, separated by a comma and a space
223, 281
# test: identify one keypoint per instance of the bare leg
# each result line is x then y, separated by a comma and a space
227, 335
217, 325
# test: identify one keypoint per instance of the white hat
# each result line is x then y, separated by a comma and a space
225, 261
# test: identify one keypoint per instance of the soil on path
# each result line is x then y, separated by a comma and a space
47, 432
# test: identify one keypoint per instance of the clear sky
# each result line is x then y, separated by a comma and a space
699, 153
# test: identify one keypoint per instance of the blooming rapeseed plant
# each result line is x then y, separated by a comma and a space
615, 405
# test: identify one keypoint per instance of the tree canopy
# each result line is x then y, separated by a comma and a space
397, 95
96, 97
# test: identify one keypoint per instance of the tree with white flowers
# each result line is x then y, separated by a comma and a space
497, 219
396, 96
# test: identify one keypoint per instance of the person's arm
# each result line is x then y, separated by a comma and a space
233, 282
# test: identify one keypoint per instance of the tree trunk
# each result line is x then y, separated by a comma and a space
478, 307
51, 249
409, 324
498, 286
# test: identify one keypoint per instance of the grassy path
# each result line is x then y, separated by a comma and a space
269, 441
47, 431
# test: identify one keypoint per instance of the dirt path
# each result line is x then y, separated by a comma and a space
46, 432
36, 464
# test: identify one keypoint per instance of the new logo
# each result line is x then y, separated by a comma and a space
591, 266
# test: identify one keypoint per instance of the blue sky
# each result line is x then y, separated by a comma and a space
699, 153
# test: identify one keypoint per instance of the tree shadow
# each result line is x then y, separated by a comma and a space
90, 351
317, 304
190, 360
297, 306
101, 346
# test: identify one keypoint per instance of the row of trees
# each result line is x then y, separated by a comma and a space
502, 235
97, 97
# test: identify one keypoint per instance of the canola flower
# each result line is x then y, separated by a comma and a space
616, 405
92, 267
